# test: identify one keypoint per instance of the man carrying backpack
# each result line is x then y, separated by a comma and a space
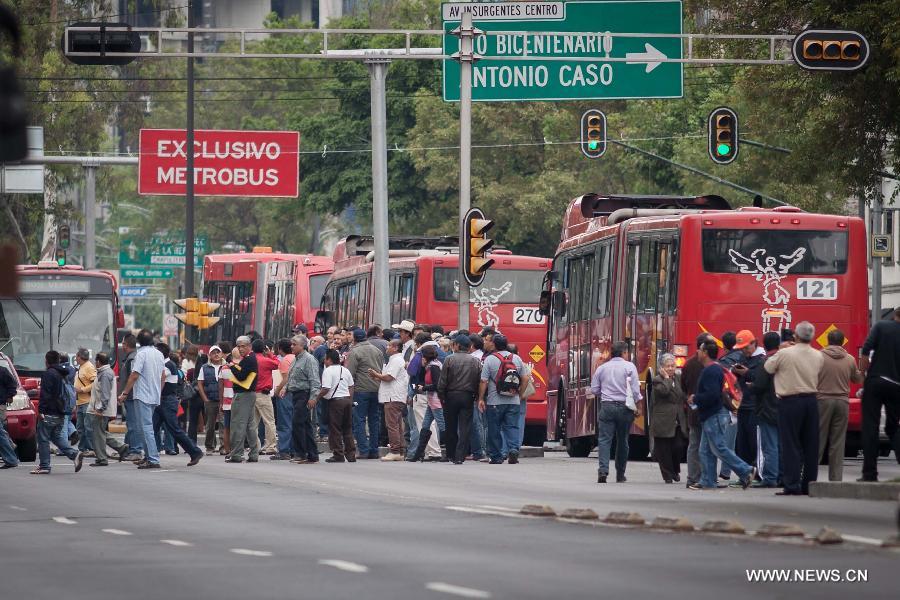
50, 416
503, 376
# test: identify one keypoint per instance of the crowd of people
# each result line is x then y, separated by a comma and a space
411, 386
766, 412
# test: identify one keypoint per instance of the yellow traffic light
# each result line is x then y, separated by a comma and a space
476, 245
197, 312
830, 50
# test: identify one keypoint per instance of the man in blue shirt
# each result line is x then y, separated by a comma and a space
501, 407
146, 380
614, 383
715, 420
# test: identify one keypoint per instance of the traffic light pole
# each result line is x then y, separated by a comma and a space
377, 74
189, 182
465, 57
877, 220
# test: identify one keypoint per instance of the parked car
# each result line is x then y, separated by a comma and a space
21, 417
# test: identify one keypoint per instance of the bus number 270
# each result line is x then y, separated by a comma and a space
523, 315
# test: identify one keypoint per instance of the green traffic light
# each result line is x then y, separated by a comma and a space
61, 261
593, 145
723, 149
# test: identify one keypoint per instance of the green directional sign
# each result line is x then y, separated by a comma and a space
146, 273
641, 75
161, 250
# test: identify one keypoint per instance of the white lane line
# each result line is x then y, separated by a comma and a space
178, 543
343, 565
246, 552
503, 508
65, 521
858, 539
455, 590
14, 507
116, 531
485, 511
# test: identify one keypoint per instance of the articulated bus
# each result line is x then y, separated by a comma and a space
56, 308
424, 288
657, 271
264, 291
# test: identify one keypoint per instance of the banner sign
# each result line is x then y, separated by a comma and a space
226, 163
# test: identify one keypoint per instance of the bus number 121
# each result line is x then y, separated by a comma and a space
816, 289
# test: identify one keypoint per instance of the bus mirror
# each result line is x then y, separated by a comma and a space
120, 318
324, 320
559, 302
544, 304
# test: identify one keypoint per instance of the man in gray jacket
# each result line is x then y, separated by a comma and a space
101, 409
838, 371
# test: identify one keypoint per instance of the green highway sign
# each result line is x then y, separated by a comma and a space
146, 273
640, 76
160, 251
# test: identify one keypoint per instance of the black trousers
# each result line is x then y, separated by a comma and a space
798, 428
195, 409
877, 393
667, 452
745, 442
304, 442
458, 416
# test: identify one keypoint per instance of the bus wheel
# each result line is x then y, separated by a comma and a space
580, 447
638, 447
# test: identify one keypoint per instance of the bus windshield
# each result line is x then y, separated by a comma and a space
796, 252
317, 285
510, 286
30, 326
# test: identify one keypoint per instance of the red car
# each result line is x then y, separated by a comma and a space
21, 418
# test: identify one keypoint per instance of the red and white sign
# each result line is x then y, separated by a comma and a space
226, 163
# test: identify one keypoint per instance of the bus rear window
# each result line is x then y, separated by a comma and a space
786, 251
503, 286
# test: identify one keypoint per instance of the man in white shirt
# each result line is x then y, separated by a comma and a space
337, 389
392, 390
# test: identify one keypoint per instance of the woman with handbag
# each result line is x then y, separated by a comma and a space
668, 423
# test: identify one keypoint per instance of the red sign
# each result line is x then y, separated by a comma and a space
226, 163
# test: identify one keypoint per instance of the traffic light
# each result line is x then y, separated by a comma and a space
723, 135
63, 237
476, 245
101, 39
830, 50
61, 257
197, 312
593, 133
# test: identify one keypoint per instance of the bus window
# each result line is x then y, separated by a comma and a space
363, 301
407, 296
674, 257
353, 302
524, 285
317, 285
807, 252
604, 274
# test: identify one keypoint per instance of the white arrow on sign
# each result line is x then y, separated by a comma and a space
652, 58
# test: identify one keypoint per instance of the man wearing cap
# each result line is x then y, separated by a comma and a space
405, 329
745, 442
362, 357
208, 388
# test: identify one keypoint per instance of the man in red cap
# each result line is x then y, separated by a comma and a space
745, 445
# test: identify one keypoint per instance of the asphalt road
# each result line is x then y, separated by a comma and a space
396, 530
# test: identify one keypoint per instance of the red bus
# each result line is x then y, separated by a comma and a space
657, 271
56, 308
424, 288
264, 291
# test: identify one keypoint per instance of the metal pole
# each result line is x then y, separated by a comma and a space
877, 219
381, 271
465, 157
90, 216
189, 192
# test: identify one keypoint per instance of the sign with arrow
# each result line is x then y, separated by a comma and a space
592, 26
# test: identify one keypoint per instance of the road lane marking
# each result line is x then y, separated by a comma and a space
14, 507
246, 552
858, 539
178, 543
65, 521
486, 511
343, 565
464, 592
503, 508
116, 531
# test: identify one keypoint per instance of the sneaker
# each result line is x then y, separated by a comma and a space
746, 481
149, 465
513, 458
351, 458
234, 460
98, 464
723, 478
337, 459
694, 486
498, 461
736, 484
280, 457
123, 452
89, 454
620, 479
299, 461
74, 438
79, 461
392, 457
601, 478
133, 456
761, 484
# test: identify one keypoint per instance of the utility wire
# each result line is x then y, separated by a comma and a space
780, 150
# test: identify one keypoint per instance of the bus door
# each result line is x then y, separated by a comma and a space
579, 283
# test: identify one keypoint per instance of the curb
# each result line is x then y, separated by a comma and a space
886, 491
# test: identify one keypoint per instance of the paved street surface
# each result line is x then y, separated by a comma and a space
398, 530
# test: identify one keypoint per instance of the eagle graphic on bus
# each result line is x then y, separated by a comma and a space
770, 270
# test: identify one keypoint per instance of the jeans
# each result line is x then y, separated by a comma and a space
615, 420
523, 408
366, 410
132, 432
412, 430
768, 444
243, 426
162, 432
304, 441
503, 430
83, 426
730, 439
693, 454
434, 415
195, 408
68, 426
7, 452
477, 441
145, 430
51, 429
285, 423
714, 443
322, 416
168, 414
